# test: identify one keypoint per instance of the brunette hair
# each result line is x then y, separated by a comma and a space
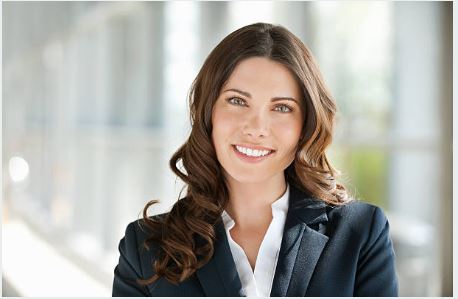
185, 236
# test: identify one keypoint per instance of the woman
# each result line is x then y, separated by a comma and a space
263, 214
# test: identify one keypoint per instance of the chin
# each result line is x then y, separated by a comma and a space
250, 177
249, 180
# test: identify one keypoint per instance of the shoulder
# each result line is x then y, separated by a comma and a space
359, 217
358, 211
132, 246
363, 230
136, 233
354, 215
134, 261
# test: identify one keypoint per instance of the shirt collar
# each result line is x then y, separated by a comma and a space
279, 209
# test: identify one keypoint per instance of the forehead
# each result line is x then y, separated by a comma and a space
261, 74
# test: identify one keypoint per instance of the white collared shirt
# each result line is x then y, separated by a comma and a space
259, 282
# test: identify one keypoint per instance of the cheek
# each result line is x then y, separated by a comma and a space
288, 134
223, 126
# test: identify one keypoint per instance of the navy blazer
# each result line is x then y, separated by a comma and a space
325, 251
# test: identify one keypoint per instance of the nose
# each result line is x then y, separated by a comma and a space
256, 125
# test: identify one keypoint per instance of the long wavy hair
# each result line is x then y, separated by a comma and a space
185, 236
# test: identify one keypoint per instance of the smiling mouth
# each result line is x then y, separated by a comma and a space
254, 153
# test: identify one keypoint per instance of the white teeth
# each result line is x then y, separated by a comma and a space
252, 153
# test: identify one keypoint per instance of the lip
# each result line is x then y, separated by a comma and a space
249, 159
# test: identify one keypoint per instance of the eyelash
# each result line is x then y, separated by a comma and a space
231, 101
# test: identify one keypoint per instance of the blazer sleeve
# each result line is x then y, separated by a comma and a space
129, 267
376, 274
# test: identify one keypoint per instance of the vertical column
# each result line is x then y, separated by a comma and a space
446, 207
212, 26
417, 157
296, 17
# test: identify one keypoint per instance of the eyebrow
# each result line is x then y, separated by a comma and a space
274, 99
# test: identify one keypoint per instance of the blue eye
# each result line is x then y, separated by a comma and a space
283, 108
237, 101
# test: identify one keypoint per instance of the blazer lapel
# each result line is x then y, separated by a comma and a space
219, 276
301, 245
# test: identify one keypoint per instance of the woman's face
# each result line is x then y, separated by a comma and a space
257, 121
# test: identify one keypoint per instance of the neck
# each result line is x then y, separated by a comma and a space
250, 204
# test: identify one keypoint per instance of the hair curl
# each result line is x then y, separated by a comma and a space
186, 235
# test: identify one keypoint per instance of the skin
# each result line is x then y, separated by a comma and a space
256, 120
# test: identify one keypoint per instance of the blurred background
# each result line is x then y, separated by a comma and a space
94, 105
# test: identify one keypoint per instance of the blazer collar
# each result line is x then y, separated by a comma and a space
301, 245
300, 250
